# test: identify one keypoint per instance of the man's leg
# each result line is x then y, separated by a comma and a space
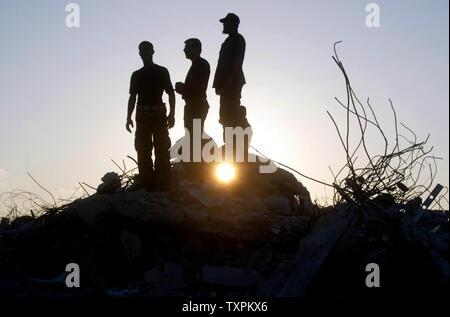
229, 113
144, 145
198, 111
203, 113
188, 125
243, 122
161, 141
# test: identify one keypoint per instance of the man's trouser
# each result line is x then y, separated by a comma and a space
152, 132
231, 115
195, 109
230, 101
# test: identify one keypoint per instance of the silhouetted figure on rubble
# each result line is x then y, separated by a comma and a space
193, 90
152, 124
229, 79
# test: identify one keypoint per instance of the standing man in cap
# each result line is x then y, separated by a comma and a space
149, 83
229, 77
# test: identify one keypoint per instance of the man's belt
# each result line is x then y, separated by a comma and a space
196, 101
160, 107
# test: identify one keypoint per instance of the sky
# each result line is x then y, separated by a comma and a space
64, 90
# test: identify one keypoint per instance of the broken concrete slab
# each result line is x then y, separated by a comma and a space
313, 251
131, 245
173, 277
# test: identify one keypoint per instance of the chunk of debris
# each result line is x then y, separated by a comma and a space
111, 182
183, 242
132, 246
279, 204
229, 276
154, 275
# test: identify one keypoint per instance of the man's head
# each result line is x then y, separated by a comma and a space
230, 23
192, 48
146, 51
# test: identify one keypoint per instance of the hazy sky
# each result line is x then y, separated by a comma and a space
64, 90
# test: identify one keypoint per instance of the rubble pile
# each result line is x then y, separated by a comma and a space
262, 237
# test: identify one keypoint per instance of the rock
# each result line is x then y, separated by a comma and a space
229, 276
205, 293
154, 275
59, 279
384, 200
3, 227
111, 182
391, 212
413, 206
173, 277
88, 209
209, 193
13, 282
298, 224
4, 221
19, 221
131, 244
270, 286
288, 184
261, 256
205, 197
278, 204
276, 228
254, 204
286, 225
110, 177
28, 226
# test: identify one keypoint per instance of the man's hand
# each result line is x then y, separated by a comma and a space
129, 122
170, 120
179, 87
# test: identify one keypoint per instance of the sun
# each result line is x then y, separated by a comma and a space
225, 172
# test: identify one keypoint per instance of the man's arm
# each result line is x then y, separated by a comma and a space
217, 81
171, 94
171, 117
131, 105
131, 101
238, 60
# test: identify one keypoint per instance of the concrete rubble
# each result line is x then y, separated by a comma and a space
203, 238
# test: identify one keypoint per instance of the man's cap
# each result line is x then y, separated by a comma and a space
230, 17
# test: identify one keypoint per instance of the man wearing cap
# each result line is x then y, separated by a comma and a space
229, 77
148, 84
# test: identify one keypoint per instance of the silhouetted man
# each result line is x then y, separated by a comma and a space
193, 90
229, 77
152, 124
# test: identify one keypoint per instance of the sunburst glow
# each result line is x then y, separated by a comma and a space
225, 172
